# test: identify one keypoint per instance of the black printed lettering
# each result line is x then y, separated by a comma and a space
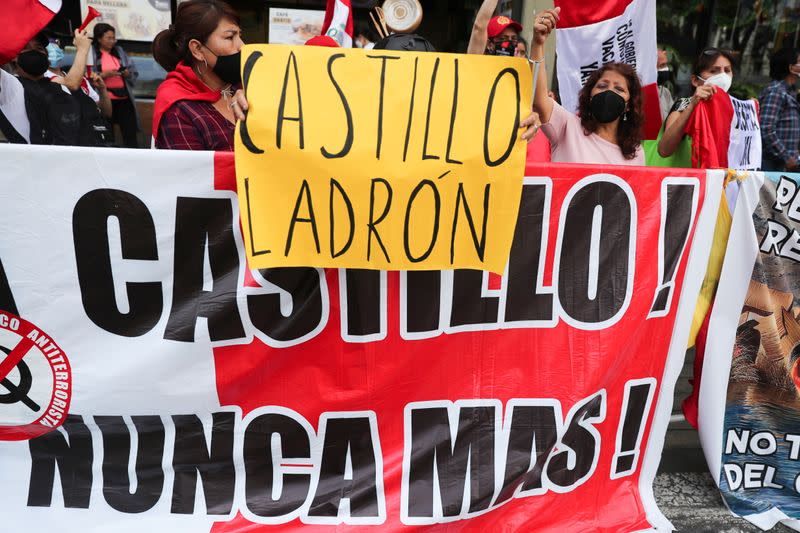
524, 301
469, 306
609, 264
116, 455
677, 223
435, 215
379, 140
260, 465
304, 288
411, 109
192, 458
490, 109
453, 115
425, 154
303, 196
364, 302
93, 261
584, 442
73, 455
7, 302
247, 140
336, 186
348, 141
533, 428
204, 226
291, 65
347, 438
373, 222
422, 300
470, 459
479, 242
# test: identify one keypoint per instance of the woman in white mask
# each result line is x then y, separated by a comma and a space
712, 72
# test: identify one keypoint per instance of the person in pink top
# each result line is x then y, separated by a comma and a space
119, 74
607, 128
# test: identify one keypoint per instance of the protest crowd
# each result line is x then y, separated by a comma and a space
79, 89
48, 102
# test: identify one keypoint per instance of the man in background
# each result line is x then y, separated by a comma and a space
665, 98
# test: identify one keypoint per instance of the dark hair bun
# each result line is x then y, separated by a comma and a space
195, 20
165, 50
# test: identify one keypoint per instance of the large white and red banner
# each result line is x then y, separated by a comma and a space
150, 381
591, 34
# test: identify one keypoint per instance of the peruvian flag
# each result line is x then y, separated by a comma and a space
590, 34
339, 22
725, 133
27, 18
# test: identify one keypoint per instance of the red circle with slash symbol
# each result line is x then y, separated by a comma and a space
35, 380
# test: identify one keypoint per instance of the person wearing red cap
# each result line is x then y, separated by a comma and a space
493, 35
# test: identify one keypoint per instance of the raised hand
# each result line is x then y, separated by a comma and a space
544, 23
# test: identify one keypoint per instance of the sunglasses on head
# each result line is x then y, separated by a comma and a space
716, 51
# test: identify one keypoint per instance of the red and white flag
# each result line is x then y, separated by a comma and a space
725, 133
27, 18
339, 22
591, 34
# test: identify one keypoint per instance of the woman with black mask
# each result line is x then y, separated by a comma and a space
119, 74
198, 104
608, 126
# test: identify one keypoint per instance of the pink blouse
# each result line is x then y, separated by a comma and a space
570, 144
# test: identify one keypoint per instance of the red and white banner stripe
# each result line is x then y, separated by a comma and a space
591, 34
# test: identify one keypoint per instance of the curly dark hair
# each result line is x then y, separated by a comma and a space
629, 132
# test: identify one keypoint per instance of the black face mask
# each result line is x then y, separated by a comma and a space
229, 68
505, 48
607, 106
32, 62
663, 77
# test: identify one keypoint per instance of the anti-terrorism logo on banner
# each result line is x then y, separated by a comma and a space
35, 380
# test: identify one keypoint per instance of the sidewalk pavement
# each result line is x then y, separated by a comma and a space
693, 504
684, 489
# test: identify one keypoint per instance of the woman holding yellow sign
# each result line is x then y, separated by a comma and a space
608, 126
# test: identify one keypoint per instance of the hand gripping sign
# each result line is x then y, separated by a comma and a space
380, 159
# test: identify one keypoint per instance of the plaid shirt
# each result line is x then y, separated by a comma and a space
780, 121
192, 125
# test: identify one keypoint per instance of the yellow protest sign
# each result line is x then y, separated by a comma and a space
380, 159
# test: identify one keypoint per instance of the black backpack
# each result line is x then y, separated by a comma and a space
55, 116
95, 130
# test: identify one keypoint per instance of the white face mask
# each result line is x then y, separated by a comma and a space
721, 80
